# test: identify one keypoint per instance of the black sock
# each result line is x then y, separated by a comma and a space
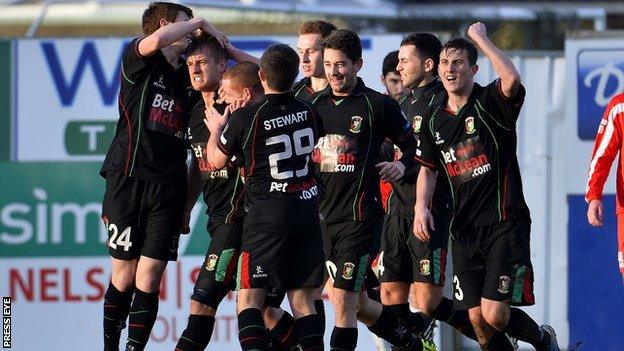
403, 312
343, 339
197, 334
116, 307
142, 317
282, 336
499, 342
308, 331
319, 306
523, 327
252, 333
389, 328
457, 319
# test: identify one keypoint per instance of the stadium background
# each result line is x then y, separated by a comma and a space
58, 90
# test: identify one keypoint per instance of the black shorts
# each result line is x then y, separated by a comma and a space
217, 275
493, 262
270, 261
349, 247
143, 218
274, 297
404, 258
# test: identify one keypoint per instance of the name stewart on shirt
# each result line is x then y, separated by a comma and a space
288, 119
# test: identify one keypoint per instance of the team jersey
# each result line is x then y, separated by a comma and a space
223, 188
607, 146
356, 127
276, 138
403, 197
302, 89
475, 149
150, 138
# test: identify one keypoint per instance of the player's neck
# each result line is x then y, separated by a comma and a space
426, 81
318, 83
209, 97
457, 99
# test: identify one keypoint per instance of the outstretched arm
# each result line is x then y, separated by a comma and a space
505, 69
170, 32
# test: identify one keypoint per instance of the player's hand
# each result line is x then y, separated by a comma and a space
185, 228
595, 213
214, 121
211, 30
477, 31
391, 171
423, 220
222, 95
236, 104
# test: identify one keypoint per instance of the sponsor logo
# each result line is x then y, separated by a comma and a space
259, 273
470, 126
425, 267
347, 271
600, 76
160, 83
212, 262
165, 116
416, 123
335, 153
356, 124
503, 284
466, 160
438, 139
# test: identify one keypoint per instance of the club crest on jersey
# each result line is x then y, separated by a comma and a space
356, 124
503, 284
212, 262
425, 267
347, 271
470, 126
416, 123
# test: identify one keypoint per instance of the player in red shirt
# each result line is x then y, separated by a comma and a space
607, 146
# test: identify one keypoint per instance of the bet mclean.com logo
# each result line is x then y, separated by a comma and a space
466, 160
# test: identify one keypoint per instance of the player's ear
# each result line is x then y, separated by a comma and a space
163, 22
358, 64
383, 80
473, 70
222, 66
247, 95
261, 75
429, 64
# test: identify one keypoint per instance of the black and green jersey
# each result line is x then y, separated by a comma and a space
150, 138
475, 150
302, 89
403, 197
356, 127
276, 138
223, 188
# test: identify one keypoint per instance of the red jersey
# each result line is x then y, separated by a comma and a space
607, 145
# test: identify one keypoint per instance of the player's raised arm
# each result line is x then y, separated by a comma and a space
505, 69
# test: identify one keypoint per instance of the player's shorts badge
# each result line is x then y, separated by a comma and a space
347, 271
356, 124
425, 267
212, 262
416, 123
470, 126
503, 284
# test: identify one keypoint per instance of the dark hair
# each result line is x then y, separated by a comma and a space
280, 64
390, 63
427, 46
346, 41
321, 27
460, 45
244, 75
159, 10
208, 42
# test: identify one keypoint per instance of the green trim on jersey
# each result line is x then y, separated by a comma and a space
228, 217
498, 180
358, 196
252, 123
224, 263
138, 137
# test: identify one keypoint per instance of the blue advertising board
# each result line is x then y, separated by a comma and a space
595, 286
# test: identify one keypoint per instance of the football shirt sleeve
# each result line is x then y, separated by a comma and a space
503, 109
133, 64
231, 138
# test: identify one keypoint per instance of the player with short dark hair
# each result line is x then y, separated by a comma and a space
145, 170
276, 138
390, 77
357, 120
310, 50
470, 136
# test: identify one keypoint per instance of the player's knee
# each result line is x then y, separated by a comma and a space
201, 309
496, 318
123, 280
